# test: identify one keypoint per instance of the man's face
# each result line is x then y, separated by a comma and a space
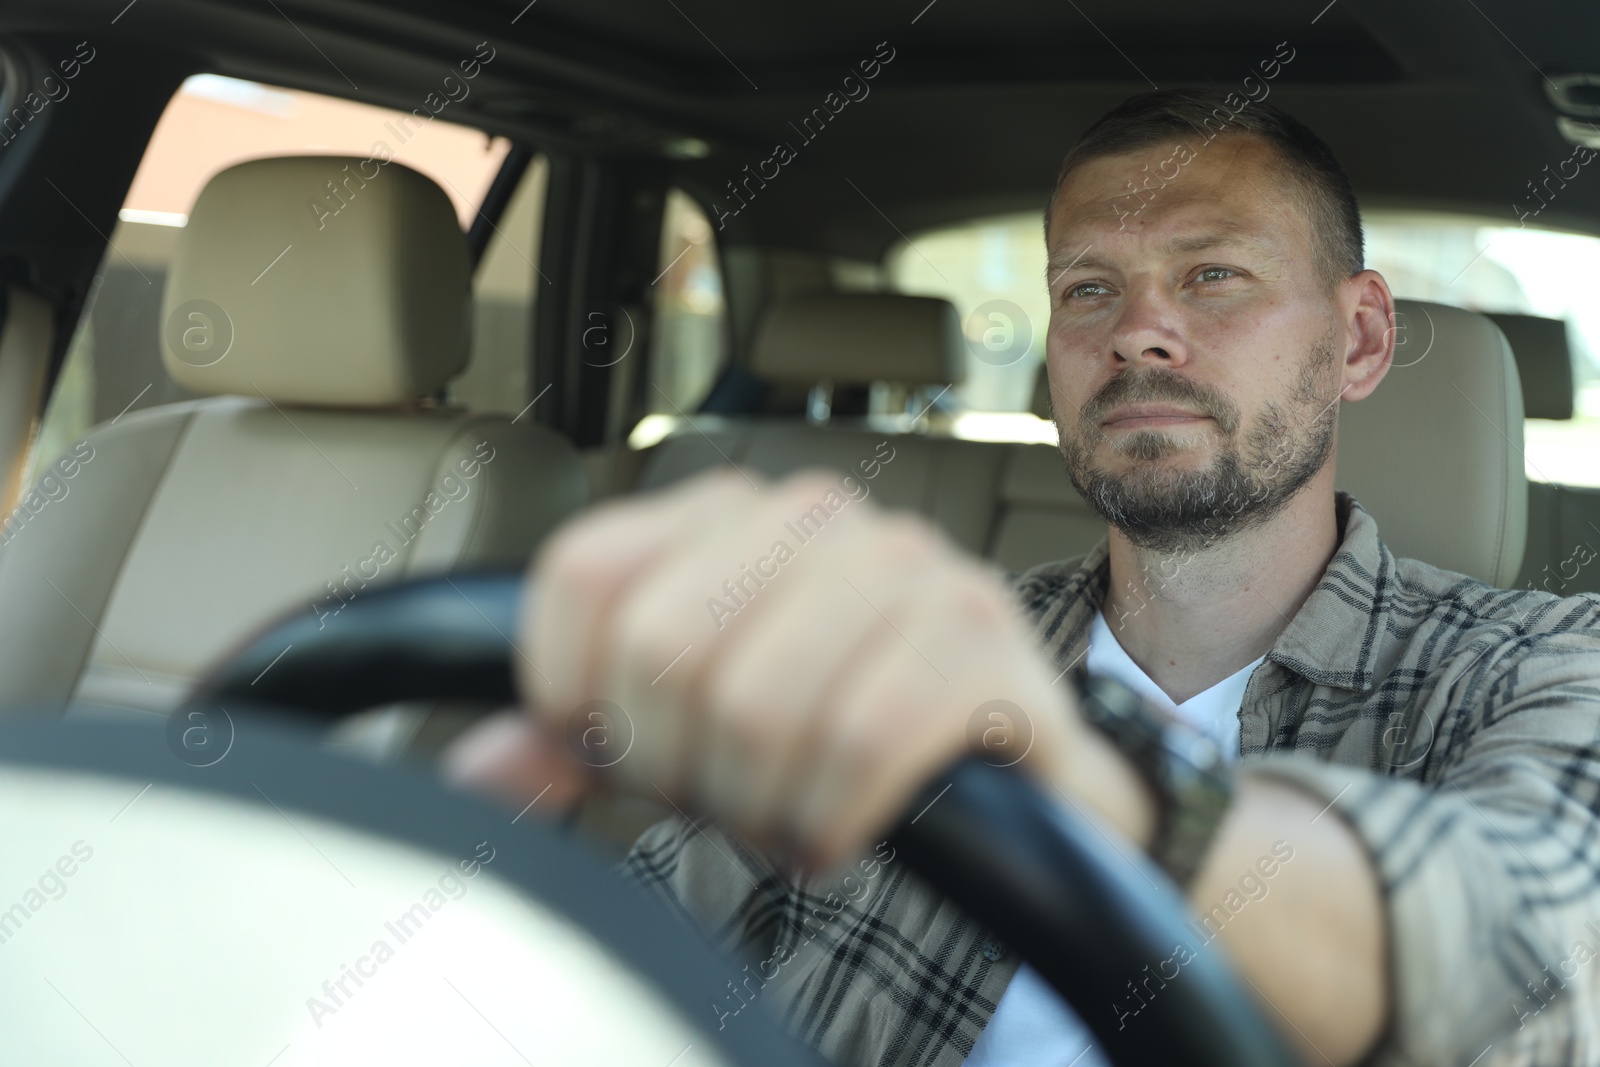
1194, 355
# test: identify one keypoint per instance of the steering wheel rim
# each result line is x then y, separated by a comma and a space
1045, 878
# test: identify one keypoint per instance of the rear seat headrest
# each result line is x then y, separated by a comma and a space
319, 280
1544, 363
856, 338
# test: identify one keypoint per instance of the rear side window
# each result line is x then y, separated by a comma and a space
114, 359
505, 292
690, 336
215, 122
1487, 265
993, 271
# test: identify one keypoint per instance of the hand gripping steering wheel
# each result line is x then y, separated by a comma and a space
1044, 879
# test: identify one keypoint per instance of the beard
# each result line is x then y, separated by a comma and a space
1253, 477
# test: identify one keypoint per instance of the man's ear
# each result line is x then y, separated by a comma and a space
1367, 307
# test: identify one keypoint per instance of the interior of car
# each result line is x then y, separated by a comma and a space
306, 298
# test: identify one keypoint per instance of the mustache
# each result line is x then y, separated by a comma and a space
1158, 386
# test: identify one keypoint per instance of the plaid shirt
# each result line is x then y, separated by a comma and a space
1453, 725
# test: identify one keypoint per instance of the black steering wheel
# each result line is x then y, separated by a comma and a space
1085, 916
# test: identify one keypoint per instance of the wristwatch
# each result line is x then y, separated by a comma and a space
1183, 768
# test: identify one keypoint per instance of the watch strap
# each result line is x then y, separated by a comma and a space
1183, 768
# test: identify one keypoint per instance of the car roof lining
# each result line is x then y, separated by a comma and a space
970, 118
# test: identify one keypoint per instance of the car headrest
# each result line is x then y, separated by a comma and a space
1435, 453
1544, 363
856, 338
319, 280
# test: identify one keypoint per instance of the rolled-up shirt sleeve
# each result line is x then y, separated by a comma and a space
1488, 857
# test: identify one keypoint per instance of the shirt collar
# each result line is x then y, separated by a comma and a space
1333, 640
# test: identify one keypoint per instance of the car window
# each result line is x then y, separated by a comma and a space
992, 269
690, 337
214, 122
505, 292
1487, 265
114, 363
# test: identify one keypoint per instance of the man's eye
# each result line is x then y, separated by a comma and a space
1085, 289
1214, 274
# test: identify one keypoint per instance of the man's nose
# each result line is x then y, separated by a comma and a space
1147, 331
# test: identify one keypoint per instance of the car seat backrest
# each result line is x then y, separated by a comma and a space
1435, 453
1543, 357
319, 465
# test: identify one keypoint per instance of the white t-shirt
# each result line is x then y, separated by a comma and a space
1032, 1026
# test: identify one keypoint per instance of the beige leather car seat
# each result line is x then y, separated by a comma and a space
1543, 355
1435, 453
316, 466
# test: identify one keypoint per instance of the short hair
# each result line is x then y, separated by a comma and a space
1316, 180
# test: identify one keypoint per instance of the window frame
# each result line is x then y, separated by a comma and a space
73, 319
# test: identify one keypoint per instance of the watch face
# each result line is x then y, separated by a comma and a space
1184, 769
